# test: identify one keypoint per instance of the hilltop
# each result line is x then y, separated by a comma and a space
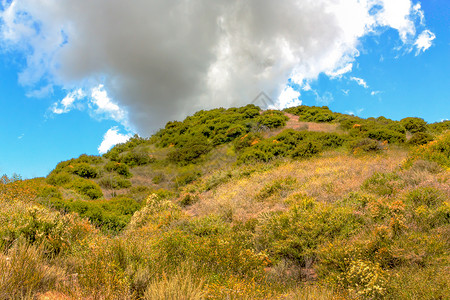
239, 203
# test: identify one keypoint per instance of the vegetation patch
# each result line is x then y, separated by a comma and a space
211, 207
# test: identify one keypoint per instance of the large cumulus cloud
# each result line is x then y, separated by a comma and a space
162, 59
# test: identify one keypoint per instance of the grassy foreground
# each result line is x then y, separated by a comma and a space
239, 204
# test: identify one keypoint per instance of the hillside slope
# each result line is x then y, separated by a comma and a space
239, 204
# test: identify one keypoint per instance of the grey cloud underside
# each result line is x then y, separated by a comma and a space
163, 59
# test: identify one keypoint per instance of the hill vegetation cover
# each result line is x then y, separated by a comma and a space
239, 203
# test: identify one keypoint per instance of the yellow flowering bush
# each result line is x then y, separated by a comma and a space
365, 279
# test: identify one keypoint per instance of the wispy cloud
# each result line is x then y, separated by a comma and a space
68, 102
374, 93
338, 73
357, 113
360, 82
41, 92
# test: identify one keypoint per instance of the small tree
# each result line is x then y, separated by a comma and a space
414, 125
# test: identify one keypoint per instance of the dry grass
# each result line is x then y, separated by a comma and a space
326, 178
312, 292
24, 272
180, 286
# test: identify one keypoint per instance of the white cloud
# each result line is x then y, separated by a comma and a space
398, 14
360, 82
345, 92
111, 138
424, 41
340, 72
306, 87
289, 97
68, 102
417, 9
104, 107
374, 93
160, 60
99, 103
357, 113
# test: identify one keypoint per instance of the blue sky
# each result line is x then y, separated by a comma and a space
405, 85
64, 92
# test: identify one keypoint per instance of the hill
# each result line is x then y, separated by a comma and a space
239, 203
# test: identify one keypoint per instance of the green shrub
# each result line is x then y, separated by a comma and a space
272, 119
296, 233
49, 192
313, 113
157, 211
189, 152
246, 141
235, 131
383, 184
120, 168
331, 140
349, 121
219, 139
114, 182
366, 145
39, 226
414, 125
188, 199
89, 159
440, 127
396, 126
216, 127
136, 158
87, 187
437, 151
208, 225
306, 149
157, 179
291, 137
84, 170
59, 179
428, 196
252, 155
249, 111
420, 138
382, 134
322, 118
186, 177
132, 143
109, 215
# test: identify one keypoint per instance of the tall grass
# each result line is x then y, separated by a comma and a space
182, 285
24, 272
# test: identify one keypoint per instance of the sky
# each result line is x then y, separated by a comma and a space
79, 76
